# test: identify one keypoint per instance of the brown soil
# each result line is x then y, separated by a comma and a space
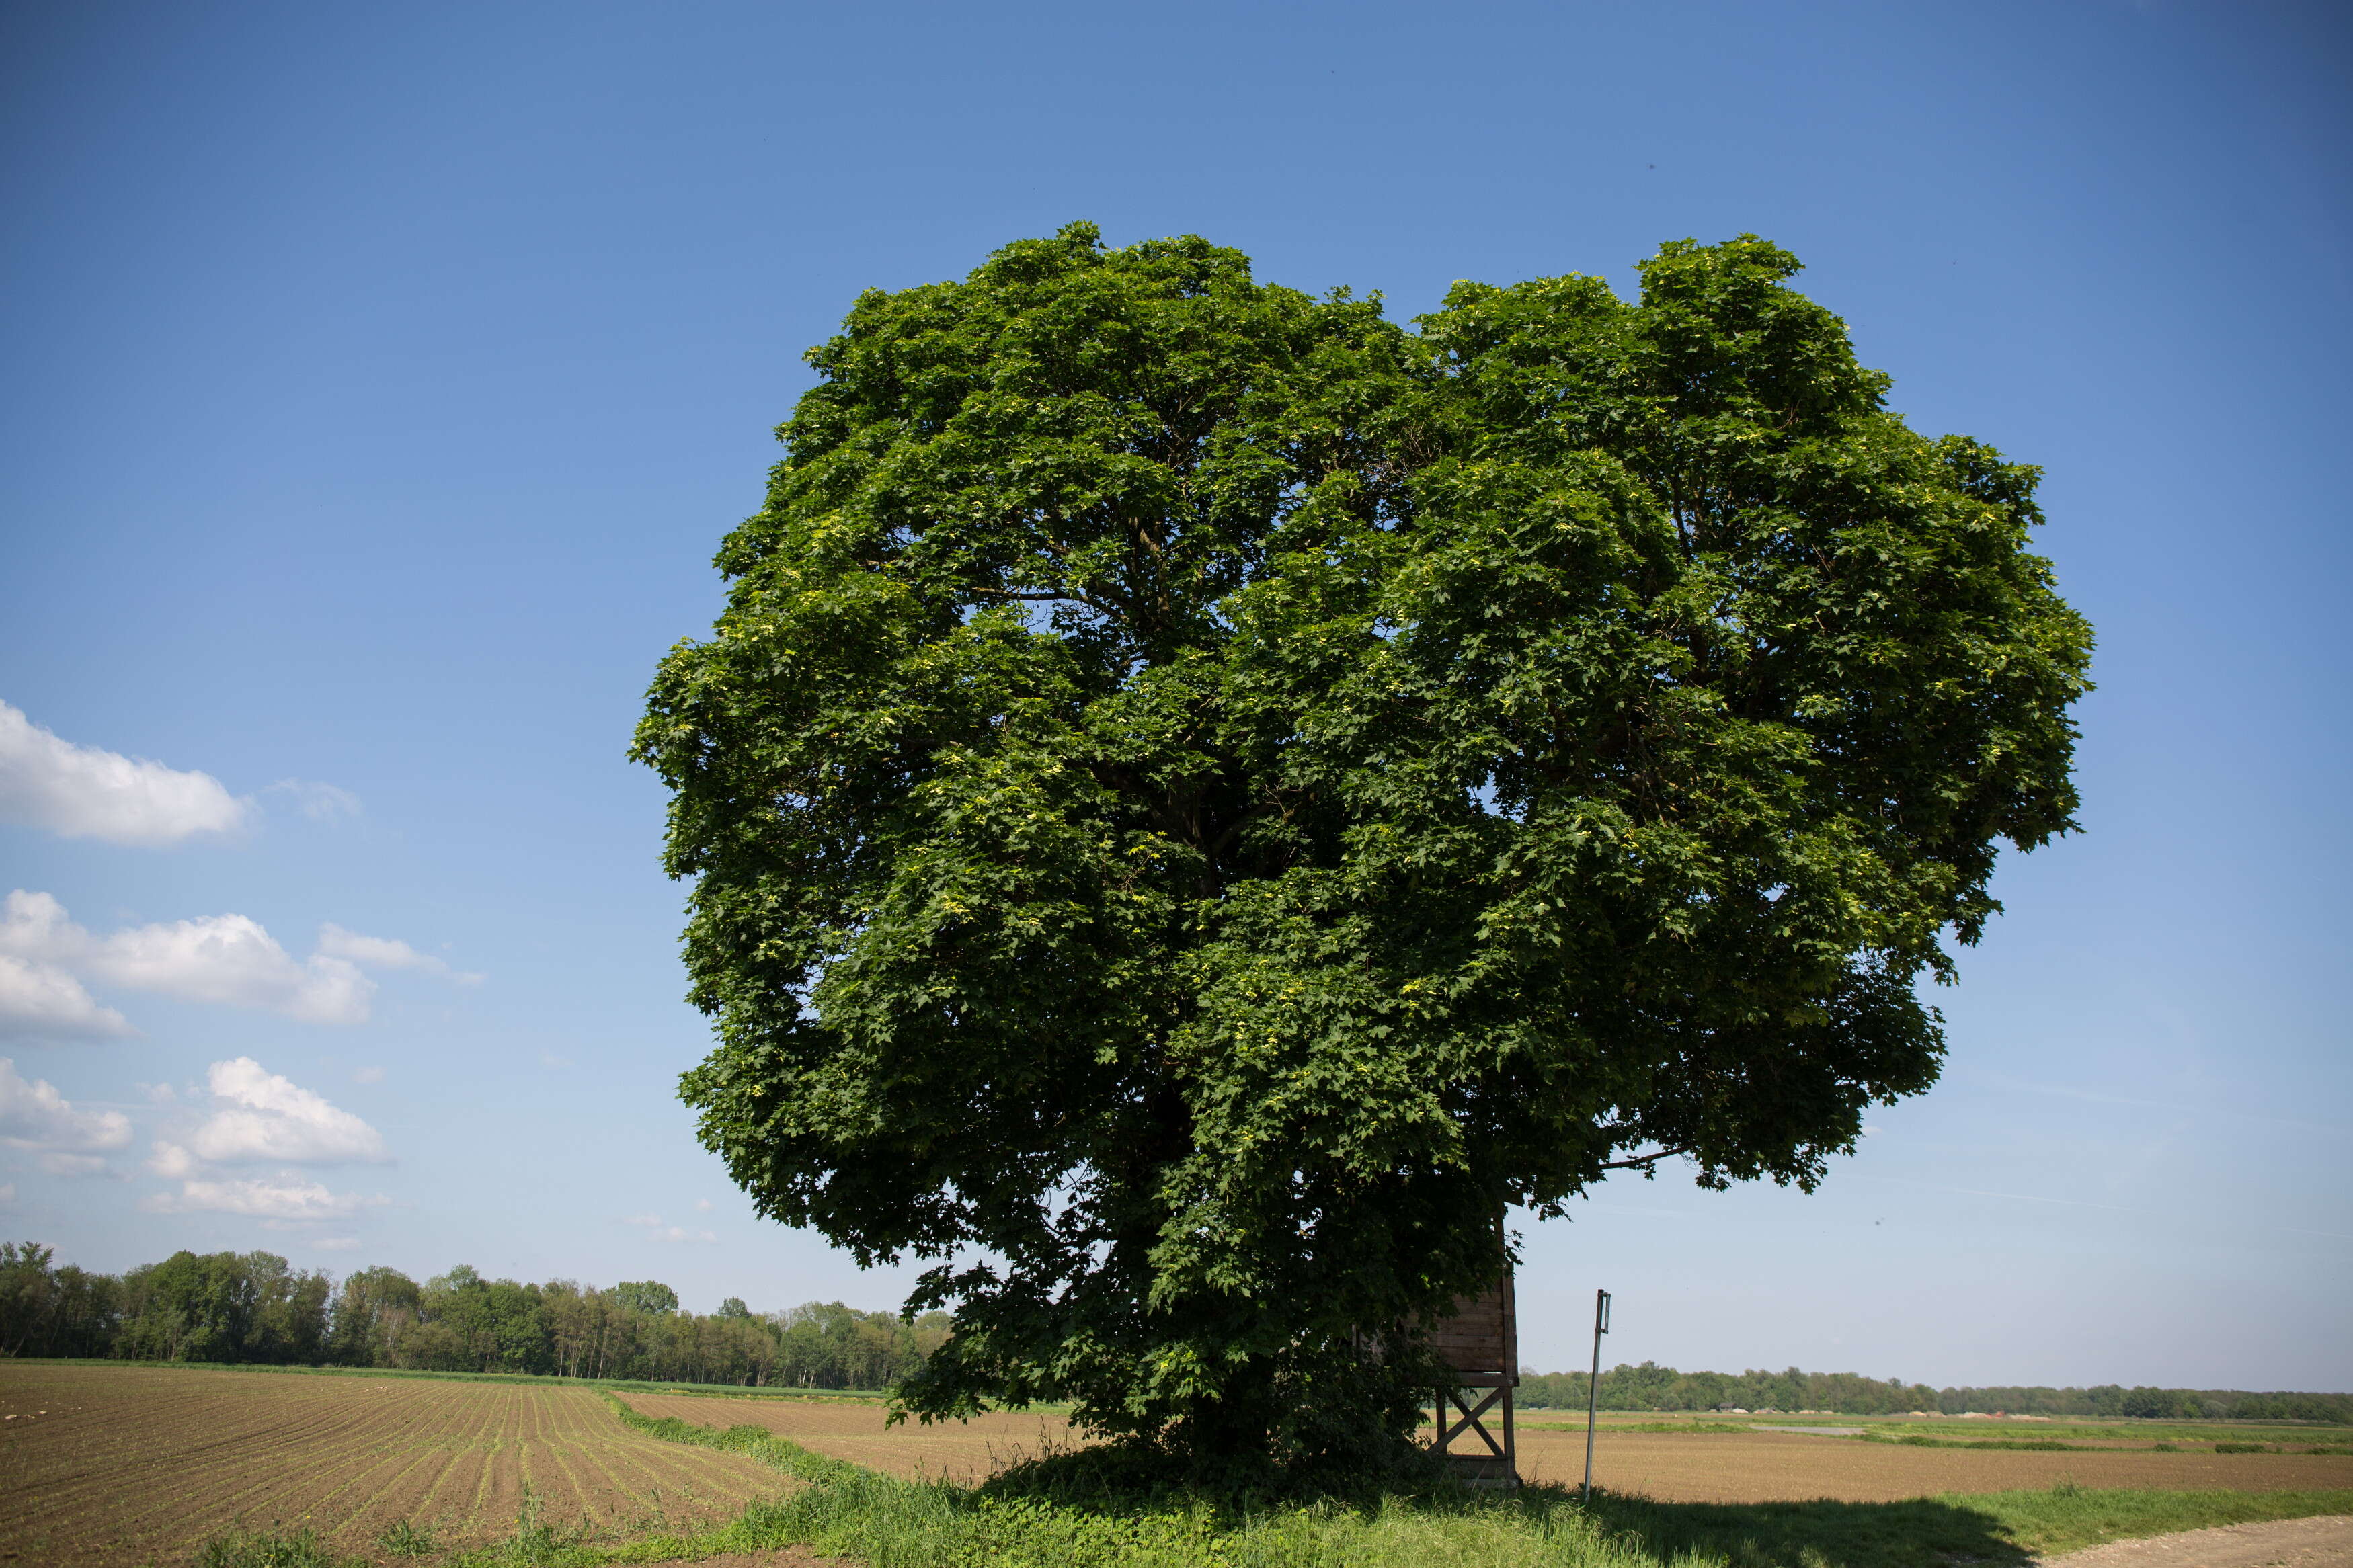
1788, 1466
960, 1451
130, 1463
2323, 1543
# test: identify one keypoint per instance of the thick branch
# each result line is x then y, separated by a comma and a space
1644, 1162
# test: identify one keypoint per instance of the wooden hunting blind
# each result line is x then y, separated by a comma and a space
1482, 1343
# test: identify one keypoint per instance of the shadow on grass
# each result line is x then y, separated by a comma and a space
1923, 1533
1918, 1533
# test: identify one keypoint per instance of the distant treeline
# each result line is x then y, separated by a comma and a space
250, 1307
1650, 1387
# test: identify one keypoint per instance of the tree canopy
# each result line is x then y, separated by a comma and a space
1200, 795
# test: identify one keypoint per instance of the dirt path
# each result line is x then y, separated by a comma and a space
2323, 1543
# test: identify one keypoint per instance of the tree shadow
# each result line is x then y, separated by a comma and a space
1920, 1533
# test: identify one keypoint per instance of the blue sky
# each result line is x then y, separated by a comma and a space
383, 379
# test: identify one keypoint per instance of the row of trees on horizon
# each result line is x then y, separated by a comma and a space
250, 1307
1650, 1387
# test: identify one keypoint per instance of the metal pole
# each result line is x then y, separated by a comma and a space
1593, 1384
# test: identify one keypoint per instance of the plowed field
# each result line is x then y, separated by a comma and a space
1788, 1466
119, 1464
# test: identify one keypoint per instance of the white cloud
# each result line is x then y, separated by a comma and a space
283, 1197
34, 927
368, 1075
336, 1243
42, 1002
319, 802
8, 1194
171, 1160
231, 960
384, 953
81, 791
658, 1231
550, 1060
33, 1115
703, 1206
263, 1116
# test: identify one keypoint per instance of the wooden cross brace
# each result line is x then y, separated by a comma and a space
1471, 1421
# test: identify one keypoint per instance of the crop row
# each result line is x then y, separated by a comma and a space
135, 1460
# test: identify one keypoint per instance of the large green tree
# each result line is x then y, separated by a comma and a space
1199, 794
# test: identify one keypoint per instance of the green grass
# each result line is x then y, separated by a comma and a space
1639, 1426
1993, 1528
2134, 1432
2029, 1445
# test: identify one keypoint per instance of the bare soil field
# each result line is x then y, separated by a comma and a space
960, 1451
120, 1464
1789, 1467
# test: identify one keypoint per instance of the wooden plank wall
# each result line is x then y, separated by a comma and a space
1480, 1341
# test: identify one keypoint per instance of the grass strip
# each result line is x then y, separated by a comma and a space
2024, 1444
1993, 1529
1611, 1426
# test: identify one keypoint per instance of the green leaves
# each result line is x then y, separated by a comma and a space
1199, 794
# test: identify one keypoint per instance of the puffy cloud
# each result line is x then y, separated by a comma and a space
226, 958
34, 927
336, 1243
219, 958
384, 953
172, 1159
231, 960
264, 1116
33, 1115
284, 1197
42, 1002
370, 1074
81, 791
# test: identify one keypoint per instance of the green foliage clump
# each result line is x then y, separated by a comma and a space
1200, 795
271, 1549
405, 1538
